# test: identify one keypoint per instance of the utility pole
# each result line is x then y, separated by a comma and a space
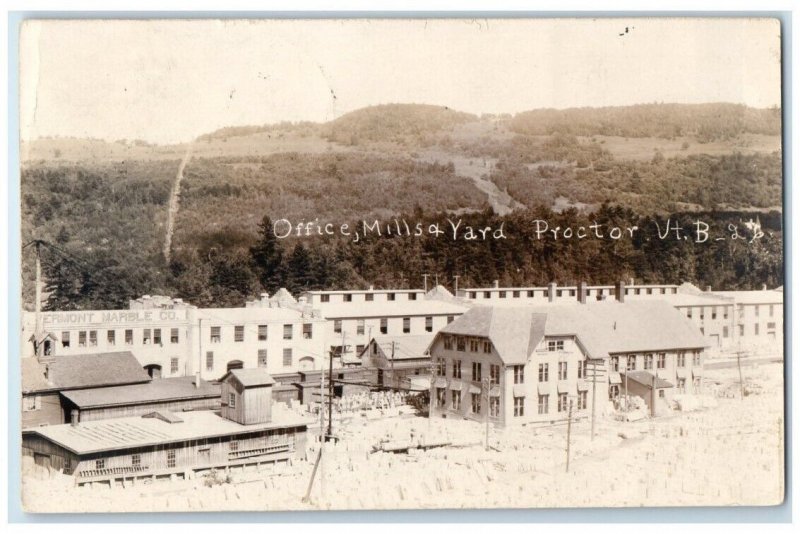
425, 281
594, 393
456, 277
487, 384
434, 368
739, 365
436, 279
569, 430
391, 380
38, 307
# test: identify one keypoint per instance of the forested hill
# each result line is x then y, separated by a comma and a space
106, 203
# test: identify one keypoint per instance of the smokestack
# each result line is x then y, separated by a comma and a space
619, 291
551, 291
582, 292
73, 418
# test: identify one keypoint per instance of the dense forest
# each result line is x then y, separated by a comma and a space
106, 218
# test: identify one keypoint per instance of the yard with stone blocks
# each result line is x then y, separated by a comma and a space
731, 453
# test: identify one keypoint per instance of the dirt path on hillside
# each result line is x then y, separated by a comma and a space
174, 204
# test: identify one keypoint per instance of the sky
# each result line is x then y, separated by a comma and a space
169, 81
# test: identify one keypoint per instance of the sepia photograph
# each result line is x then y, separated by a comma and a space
307, 264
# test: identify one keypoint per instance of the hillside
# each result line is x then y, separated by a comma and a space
106, 203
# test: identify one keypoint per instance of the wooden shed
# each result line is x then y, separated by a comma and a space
247, 396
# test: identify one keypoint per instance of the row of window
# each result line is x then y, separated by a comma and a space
475, 344
149, 336
262, 358
477, 370
368, 297
262, 332
519, 403
660, 359
384, 325
530, 293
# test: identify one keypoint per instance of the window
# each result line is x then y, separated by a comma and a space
631, 365
519, 406
649, 291
696, 358
82, 338
582, 369
171, 458
662, 360
31, 403
429, 324
554, 346
487, 347
502, 294
369, 297
92, 338
494, 406
648, 361
613, 392
519, 374
688, 313
494, 374
582, 400
455, 398
559, 292
173, 366
544, 372
209, 361
487, 294
544, 402
702, 331
324, 298
681, 359
473, 345
681, 385
174, 336
702, 313
359, 349
741, 330
757, 310
448, 343
287, 357
771, 326
287, 331
450, 318
456, 368
307, 331
262, 357
660, 393
772, 310
384, 325
515, 294
129, 337
562, 402
216, 334
390, 296
146, 336
476, 371
713, 312
461, 344
440, 366
360, 327
337, 326
755, 331
136, 460
231, 400
407, 324
440, 397
725, 312
615, 363
530, 294
476, 402
99, 464
347, 297
724, 331
157, 336
562, 370
412, 296
65, 339
238, 334
262, 332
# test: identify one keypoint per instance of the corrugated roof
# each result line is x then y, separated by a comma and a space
601, 328
83, 371
251, 377
164, 389
130, 432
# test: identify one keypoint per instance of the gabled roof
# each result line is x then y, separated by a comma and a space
601, 328
82, 371
405, 347
250, 377
161, 390
439, 292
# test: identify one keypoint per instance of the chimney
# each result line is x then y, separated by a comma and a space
708, 289
764, 287
619, 291
197, 380
551, 291
582, 292
264, 296
496, 283
73, 418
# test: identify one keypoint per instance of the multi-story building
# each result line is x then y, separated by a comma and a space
526, 364
555, 293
